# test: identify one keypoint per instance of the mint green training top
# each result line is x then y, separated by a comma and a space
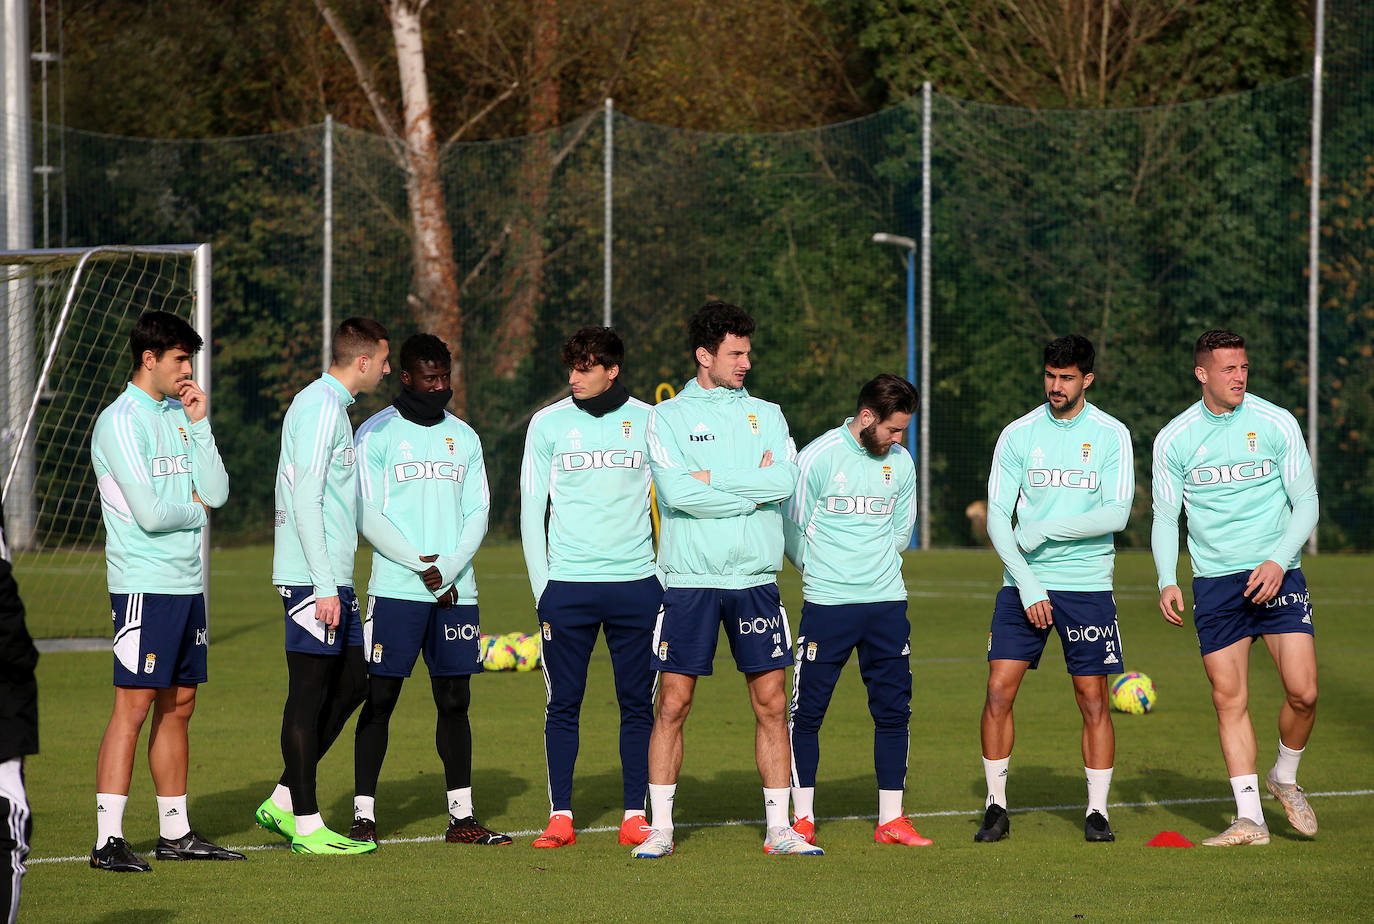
1070, 484
727, 534
316, 536
1244, 478
148, 457
421, 491
850, 519
591, 474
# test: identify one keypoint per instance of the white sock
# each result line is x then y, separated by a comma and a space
308, 824
1286, 764
281, 798
109, 816
171, 817
566, 813
889, 805
1246, 789
775, 806
365, 807
804, 802
629, 813
1099, 781
995, 771
460, 802
661, 797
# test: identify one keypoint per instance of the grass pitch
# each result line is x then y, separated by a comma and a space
1169, 776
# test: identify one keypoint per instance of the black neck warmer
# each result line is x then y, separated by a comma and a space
425, 408
604, 403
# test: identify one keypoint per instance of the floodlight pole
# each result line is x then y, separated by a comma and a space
922, 469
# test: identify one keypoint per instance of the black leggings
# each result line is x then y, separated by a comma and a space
452, 732
322, 692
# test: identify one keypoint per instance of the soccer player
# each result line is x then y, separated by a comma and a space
316, 538
845, 528
1238, 465
18, 732
722, 462
1066, 471
422, 503
159, 474
586, 468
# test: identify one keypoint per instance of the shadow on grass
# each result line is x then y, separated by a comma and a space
137, 916
421, 799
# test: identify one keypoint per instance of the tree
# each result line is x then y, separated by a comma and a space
434, 294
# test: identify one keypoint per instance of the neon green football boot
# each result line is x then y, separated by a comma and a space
275, 820
325, 842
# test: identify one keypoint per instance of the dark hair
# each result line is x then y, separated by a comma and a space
424, 348
713, 321
1215, 340
161, 331
355, 337
1070, 350
888, 394
593, 346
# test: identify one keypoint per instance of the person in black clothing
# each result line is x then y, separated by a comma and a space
18, 731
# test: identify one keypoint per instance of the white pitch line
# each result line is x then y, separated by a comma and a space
737, 822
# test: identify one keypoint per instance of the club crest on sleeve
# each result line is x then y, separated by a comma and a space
1087, 452
1251, 442
754, 424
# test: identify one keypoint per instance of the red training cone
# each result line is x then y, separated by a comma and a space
1168, 839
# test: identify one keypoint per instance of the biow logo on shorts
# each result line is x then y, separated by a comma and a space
465, 631
759, 626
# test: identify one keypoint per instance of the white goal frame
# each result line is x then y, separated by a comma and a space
18, 420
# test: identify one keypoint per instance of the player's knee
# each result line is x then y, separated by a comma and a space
382, 694
1303, 700
452, 695
673, 708
1000, 698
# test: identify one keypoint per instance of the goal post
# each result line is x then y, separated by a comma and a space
67, 315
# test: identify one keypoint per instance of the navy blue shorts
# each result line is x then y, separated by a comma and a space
395, 631
306, 634
1085, 621
689, 623
159, 639
1223, 616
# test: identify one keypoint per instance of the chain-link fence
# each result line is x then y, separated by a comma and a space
1137, 228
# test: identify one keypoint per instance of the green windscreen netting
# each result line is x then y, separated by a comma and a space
1137, 228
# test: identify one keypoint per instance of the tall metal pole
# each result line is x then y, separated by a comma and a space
17, 310
924, 474
327, 283
1314, 248
606, 245
200, 271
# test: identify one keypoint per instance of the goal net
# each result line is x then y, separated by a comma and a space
65, 317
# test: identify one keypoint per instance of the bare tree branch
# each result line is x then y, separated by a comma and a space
482, 113
380, 107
